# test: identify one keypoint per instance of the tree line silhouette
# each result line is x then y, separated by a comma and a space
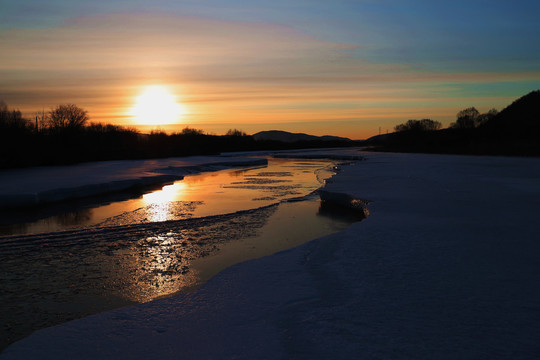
64, 135
513, 131
465, 119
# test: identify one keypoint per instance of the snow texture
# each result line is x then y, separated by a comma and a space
445, 267
33, 186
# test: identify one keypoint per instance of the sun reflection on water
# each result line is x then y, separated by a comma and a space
161, 268
159, 205
132, 256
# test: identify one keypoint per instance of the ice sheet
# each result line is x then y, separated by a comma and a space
445, 267
33, 186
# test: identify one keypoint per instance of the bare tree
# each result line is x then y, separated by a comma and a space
67, 116
466, 119
235, 132
419, 125
484, 118
191, 131
12, 119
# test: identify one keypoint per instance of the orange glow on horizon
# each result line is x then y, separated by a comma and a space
271, 77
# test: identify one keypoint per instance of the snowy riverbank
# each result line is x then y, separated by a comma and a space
40, 185
445, 267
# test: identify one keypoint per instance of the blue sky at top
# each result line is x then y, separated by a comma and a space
446, 44
478, 35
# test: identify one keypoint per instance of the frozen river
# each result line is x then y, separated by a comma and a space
198, 195
445, 267
91, 257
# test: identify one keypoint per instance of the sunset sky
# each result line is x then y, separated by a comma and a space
339, 67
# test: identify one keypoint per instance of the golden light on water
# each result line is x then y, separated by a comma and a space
156, 105
166, 194
159, 206
155, 268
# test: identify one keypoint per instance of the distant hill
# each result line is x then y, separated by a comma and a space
284, 136
515, 131
521, 118
378, 138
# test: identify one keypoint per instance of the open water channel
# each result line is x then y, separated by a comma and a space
95, 257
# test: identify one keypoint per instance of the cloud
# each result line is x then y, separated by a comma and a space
154, 40
226, 71
133, 48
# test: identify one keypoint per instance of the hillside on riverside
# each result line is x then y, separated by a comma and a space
514, 131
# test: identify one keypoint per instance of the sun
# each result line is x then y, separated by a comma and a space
156, 105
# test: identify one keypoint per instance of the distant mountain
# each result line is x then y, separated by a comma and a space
333, 138
284, 136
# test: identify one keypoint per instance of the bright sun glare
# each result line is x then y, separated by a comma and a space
157, 106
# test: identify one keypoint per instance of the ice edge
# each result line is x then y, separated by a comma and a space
163, 176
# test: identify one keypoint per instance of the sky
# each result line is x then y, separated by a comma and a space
342, 67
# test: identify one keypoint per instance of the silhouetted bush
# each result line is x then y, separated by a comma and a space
191, 131
470, 118
466, 119
11, 120
16, 137
419, 125
235, 132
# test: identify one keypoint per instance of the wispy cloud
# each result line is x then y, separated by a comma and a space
226, 71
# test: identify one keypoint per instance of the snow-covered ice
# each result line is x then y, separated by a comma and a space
445, 267
38, 185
